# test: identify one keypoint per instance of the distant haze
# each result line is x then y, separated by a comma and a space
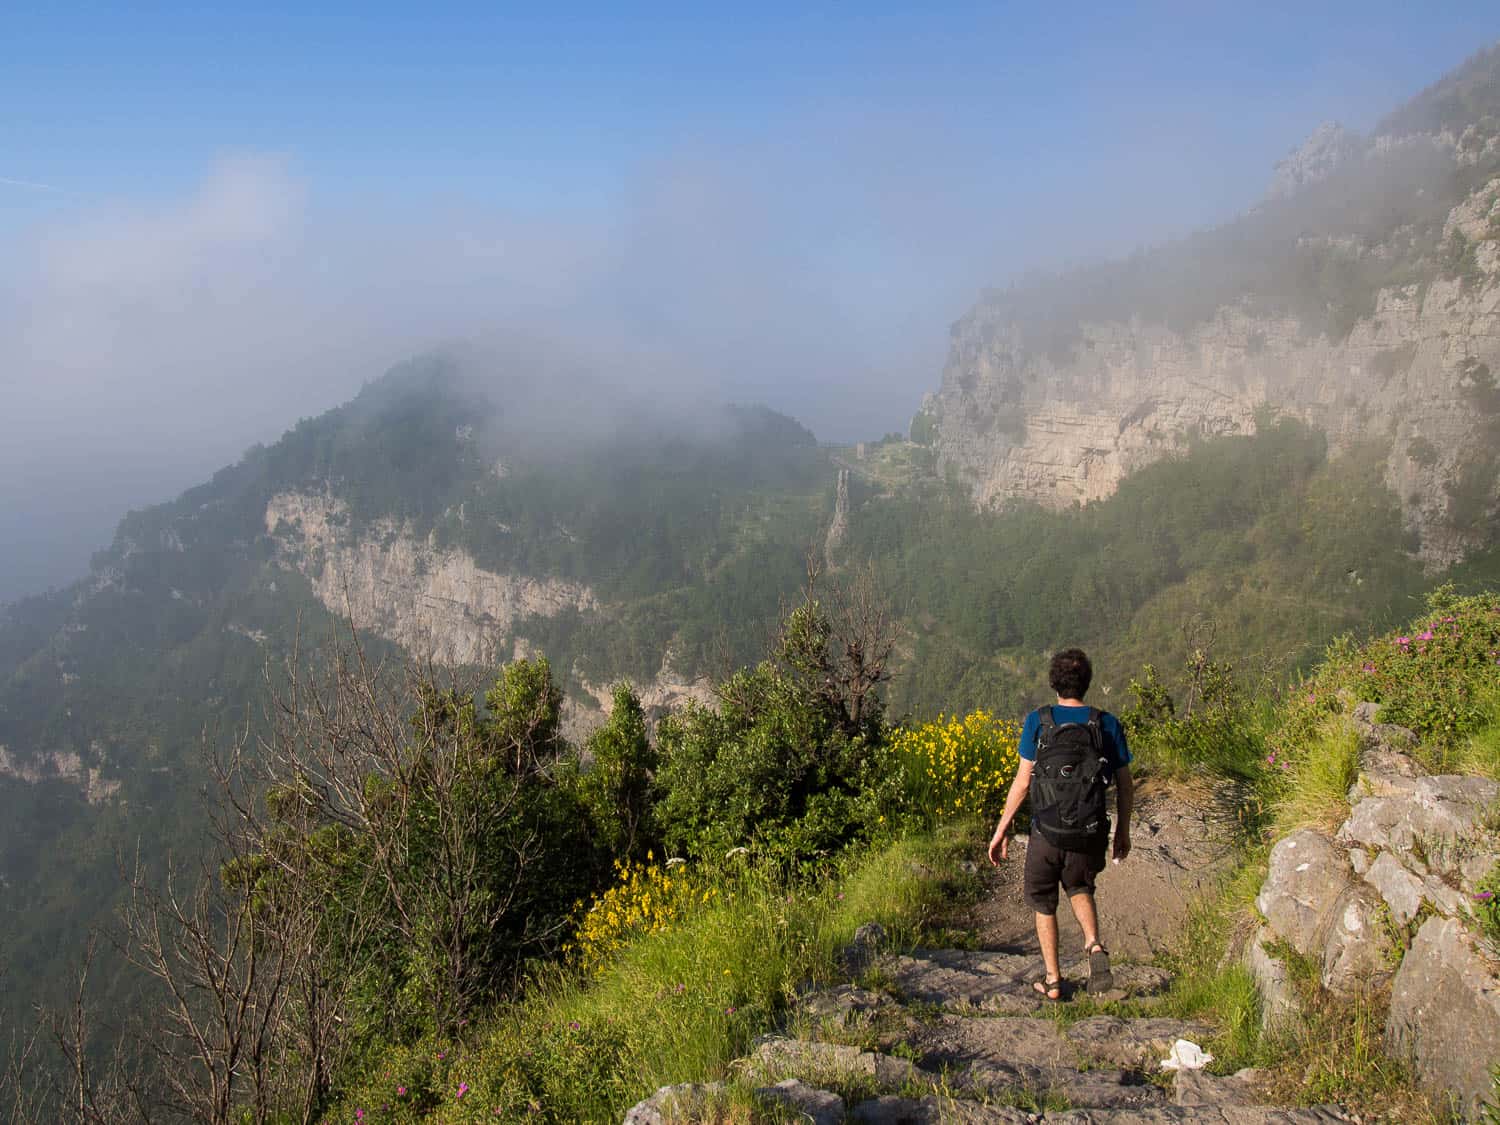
196, 249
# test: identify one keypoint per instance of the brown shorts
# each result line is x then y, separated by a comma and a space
1047, 865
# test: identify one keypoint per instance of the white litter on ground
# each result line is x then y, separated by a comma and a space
1186, 1055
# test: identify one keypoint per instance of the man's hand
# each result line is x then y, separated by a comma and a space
1000, 844
1122, 845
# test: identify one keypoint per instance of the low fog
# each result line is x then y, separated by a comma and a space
146, 339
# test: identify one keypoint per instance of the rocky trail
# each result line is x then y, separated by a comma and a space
960, 1035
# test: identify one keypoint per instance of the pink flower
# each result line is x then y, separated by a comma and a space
729, 1011
401, 1091
575, 1025
1403, 640
359, 1115
463, 1088
1367, 667
1425, 635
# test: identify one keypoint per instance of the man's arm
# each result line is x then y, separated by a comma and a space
999, 845
1126, 804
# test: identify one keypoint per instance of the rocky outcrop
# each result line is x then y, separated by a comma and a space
1445, 1012
1399, 872
432, 601
838, 529
1327, 149
1066, 423
61, 765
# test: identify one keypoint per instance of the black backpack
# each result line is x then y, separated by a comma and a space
1068, 782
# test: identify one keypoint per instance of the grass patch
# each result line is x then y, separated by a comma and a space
1336, 1053
1206, 984
1315, 792
674, 1006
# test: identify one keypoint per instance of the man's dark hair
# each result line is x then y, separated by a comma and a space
1070, 673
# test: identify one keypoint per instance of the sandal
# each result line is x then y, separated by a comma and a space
1049, 990
1100, 977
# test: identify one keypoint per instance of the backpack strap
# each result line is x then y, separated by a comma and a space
1046, 725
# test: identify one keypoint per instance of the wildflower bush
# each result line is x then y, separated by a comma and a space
1486, 902
646, 898
957, 766
1440, 677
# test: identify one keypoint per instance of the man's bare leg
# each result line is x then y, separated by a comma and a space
1088, 918
1100, 977
1046, 936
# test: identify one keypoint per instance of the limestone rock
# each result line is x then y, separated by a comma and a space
811, 1104
1199, 1088
1200, 1115
1104, 1089
1136, 1043
1306, 877
861, 952
890, 1110
432, 601
997, 982
1401, 890
777, 1058
1435, 814
1278, 999
1062, 415
1445, 1013
1328, 147
1357, 950
673, 1105
840, 1003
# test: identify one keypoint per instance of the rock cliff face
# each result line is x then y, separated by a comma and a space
429, 600
1067, 423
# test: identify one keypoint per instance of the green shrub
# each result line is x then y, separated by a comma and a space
1439, 677
1217, 732
788, 763
616, 787
673, 1006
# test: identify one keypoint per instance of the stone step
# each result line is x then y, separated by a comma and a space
1205, 1114
955, 1111
999, 982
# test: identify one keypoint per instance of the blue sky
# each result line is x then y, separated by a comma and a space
252, 208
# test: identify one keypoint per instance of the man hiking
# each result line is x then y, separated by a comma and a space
1070, 752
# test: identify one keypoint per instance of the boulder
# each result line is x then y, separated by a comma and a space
776, 1058
891, 1110
1200, 1088
672, 1105
1304, 881
810, 1104
1445, 1013
1278, 999
1401, 890
1357, 953
860, 953
1436, 814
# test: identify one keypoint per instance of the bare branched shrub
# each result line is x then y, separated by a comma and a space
842, 647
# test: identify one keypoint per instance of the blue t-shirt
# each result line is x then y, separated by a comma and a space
1109, 726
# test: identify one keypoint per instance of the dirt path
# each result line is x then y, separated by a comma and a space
1182, 844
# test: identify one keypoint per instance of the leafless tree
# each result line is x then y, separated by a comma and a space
843, 647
